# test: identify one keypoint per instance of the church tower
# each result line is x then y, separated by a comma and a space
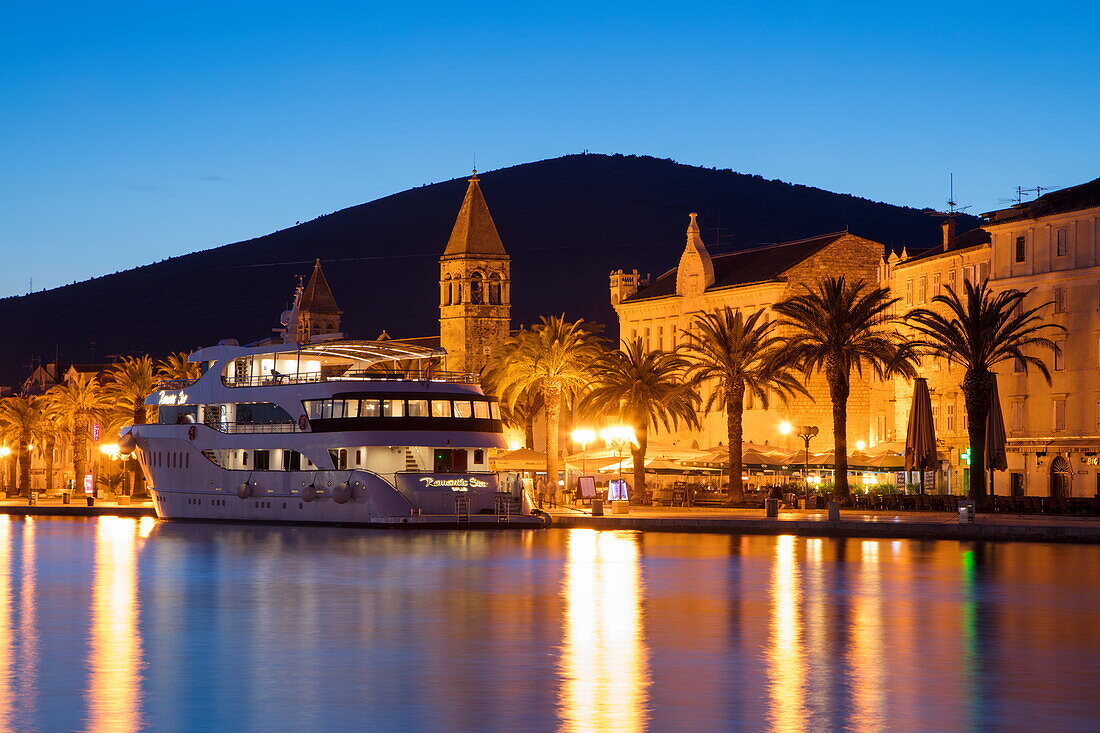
474, 286
314, 312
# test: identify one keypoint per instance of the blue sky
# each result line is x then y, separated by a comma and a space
134, 132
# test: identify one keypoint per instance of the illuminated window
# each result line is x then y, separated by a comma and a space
463, 409
370, 408
481, 410
441, 408
494, 410
417, 408
393, 408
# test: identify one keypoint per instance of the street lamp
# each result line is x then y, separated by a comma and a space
807, 432
584, 436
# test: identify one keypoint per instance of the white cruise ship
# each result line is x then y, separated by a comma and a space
329, 431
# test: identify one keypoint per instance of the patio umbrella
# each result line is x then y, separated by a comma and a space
920, 438
521, 459
996, 442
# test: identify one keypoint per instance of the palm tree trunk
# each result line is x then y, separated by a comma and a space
641, 491
838, 392
137, 480
25, 467
735, 408
80, 449
51, 445
529, 434
976, 386
551, 394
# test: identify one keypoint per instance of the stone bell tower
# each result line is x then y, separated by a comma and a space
475, 298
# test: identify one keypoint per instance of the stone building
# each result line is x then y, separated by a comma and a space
748, 280
474, 286
314, 312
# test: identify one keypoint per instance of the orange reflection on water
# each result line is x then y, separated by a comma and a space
115, 661
785, 656
604, 668
6, 631
866, 656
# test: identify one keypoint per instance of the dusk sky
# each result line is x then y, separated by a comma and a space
133, 132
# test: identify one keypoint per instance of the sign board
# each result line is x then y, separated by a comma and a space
929, 480
587, 485
89, 484
448, 482
95, 432
899, 479
617, 490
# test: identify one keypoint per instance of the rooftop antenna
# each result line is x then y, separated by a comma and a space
953, 208
1021, 192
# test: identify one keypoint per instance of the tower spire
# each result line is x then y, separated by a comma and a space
474, 232
695, 272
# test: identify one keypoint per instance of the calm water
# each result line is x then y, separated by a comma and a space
117, 625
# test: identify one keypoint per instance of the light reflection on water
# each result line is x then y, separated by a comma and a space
123, 625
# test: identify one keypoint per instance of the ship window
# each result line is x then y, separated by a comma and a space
463, 409
313, 409
494, 410
481, 410
187, 460
292, 460
244, 458
358, 457
177, 414
351, 408
418, 408
441, 408
337, 408
370, 408
259, 413
479, 456
342, 459
262, 460
393, 408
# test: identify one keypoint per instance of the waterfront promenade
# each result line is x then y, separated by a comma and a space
853, 523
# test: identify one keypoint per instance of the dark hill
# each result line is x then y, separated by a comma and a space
567, 222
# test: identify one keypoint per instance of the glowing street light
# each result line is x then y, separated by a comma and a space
861, 444
110, 449
785, 428
584, 436
619, 436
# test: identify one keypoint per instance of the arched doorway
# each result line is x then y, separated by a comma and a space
1059, 478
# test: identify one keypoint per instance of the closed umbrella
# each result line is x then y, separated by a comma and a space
996, 441
920, 438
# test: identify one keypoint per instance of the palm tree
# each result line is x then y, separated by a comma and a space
551, 358
838, 328
21, 424
54, 429
642, 388
979, 330
80, 401
738, 355
176, 367
129, 382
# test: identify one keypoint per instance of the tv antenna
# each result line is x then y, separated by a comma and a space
1021, 192
953, 208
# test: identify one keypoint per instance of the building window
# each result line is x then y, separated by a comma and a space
660, 338
1016, 484
922, 292
1059, 300
950, 418
1018, 415
909, 292
1019, 365
1021, 249
1059, 414
477, 289
1062, 247
495, 289
646, 341
983, 272
935, 285
1060, 356
951, 279
968, 274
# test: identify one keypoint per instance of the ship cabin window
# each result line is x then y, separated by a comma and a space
244, 458
441, 408
481, 410
292, 460
393, 408
262, 460
370, 408
339, 458
494, 410
479, 457
177, 414
448, 460
358, 457
463, 409
261, 413
417, 408
329, 409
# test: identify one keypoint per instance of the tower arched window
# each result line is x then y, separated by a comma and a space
494, 288
445, 294
477, 289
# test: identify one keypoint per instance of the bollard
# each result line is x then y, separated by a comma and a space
91, 500
597, 507
66, 497
771, 508
834, 511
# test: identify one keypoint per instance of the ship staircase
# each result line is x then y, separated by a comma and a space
410, 461
504, 507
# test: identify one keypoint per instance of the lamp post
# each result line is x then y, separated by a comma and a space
584, 436
807, 432
619, 436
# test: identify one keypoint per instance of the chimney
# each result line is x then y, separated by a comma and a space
948, 227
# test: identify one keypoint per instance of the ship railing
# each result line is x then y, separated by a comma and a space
234, 428
408, 375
